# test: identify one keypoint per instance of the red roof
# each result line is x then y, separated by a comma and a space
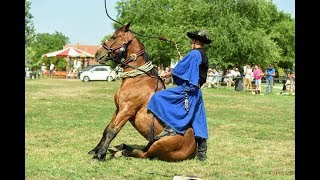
88, 48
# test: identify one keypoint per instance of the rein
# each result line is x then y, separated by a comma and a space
126, 62
132, 57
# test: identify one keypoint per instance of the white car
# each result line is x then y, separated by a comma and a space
105, 73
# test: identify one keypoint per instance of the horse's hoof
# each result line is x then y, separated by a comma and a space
126, 147
93, 152
100, 157
126, 153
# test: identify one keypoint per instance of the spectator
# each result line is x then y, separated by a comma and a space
237, 79
289, 82
27, 70
285, 80
292, 83
257, 74
240, 69
217, 78
270, 73
43, 69
228, 78
210, 78
248, 78
51, 69
70, 65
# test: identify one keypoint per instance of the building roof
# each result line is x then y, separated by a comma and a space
88, 48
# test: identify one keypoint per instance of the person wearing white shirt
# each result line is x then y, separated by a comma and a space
43, 69
51, 69
248, 73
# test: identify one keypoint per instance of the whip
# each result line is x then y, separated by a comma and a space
149, 36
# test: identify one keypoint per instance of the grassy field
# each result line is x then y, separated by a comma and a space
250, 136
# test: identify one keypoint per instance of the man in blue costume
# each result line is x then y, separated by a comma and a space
182, 106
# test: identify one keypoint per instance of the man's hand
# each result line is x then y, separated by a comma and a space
165, 75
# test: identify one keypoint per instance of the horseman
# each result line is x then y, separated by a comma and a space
182, 106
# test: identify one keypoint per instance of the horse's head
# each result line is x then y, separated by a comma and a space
117, 47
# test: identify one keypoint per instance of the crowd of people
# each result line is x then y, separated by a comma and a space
248, 78
33, 73
72, 69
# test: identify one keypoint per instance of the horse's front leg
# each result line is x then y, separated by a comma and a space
116, 124
95, 150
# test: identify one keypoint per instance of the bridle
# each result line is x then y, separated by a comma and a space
119, 56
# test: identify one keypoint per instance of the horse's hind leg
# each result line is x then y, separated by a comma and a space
131, 152
145, 149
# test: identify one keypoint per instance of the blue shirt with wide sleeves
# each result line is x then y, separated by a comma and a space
169, 104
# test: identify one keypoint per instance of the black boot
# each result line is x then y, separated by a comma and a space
202, 148
167, 131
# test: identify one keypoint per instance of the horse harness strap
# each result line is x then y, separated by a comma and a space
107, 47
133, 56
144, 69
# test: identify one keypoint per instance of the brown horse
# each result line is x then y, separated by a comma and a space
139, 82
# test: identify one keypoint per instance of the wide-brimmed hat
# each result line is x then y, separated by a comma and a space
200, 35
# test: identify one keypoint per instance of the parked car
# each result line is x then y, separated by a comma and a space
88, 68
98, 73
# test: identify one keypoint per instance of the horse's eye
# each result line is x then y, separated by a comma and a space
112, 37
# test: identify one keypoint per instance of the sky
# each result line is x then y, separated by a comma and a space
86, 22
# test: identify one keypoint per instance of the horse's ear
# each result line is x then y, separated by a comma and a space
126, 28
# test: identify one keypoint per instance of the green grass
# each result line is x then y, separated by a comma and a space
250, 136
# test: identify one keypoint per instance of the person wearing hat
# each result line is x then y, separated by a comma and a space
182, 106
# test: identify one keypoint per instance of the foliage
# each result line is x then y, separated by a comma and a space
281, 72
283, 33
243, 31
65, 119
45, 43
37, 44
29, 30
106, 37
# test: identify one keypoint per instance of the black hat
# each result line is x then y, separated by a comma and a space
200, 35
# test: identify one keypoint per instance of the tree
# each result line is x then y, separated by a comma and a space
45, 43
283, 33
243, 31
29, 29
